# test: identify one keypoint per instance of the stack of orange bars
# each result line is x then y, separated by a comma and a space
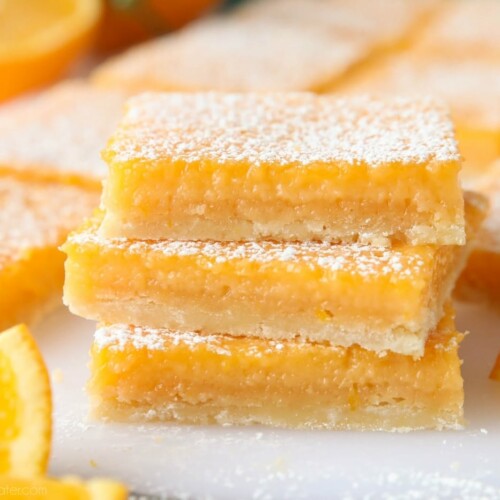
284, 259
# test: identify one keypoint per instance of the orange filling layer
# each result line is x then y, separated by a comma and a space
144, 369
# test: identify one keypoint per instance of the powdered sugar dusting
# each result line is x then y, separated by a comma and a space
421, 485
118, 337
465, 29
355, 259
283, 129
237, 55
471, 87
37, 215
69, 125
360, 18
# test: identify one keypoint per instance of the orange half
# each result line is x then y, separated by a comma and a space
25, 405
40, 39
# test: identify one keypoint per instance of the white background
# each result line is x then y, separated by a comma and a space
256, 462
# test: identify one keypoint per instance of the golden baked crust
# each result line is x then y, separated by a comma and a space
143, 374
291, 166
35, 218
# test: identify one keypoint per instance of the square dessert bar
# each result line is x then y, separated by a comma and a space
376, 297
471, 87
464, 29
35, 218
236, 55
59, 134
143, 374
387, 24
285, 166
481, 278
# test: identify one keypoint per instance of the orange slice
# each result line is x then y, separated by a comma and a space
25, 405
495, 371
39, 39
65, 489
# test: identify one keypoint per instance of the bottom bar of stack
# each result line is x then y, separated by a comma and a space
158, 374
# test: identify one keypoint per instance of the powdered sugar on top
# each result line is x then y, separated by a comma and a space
282, 129
117, 337
380, 22
355, 259
60, 132
237, 55
471, 87
465, 29
38, 215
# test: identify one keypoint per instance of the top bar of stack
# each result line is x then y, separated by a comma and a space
215, 166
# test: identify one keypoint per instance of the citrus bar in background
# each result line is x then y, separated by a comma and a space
235, 55
146, 374
35, 218
268, 46
457, 57
481, 278
463, 30
379, 298
387, 25
57, 135
289, 166
471, 87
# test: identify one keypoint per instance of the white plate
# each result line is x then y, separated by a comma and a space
261, 463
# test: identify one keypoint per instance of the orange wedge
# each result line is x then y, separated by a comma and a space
495, 372
65, 489
39, 39
25, 405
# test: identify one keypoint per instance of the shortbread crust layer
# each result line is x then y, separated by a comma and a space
376, 297
142, 374
284, 166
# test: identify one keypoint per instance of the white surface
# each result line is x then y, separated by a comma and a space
214, 462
